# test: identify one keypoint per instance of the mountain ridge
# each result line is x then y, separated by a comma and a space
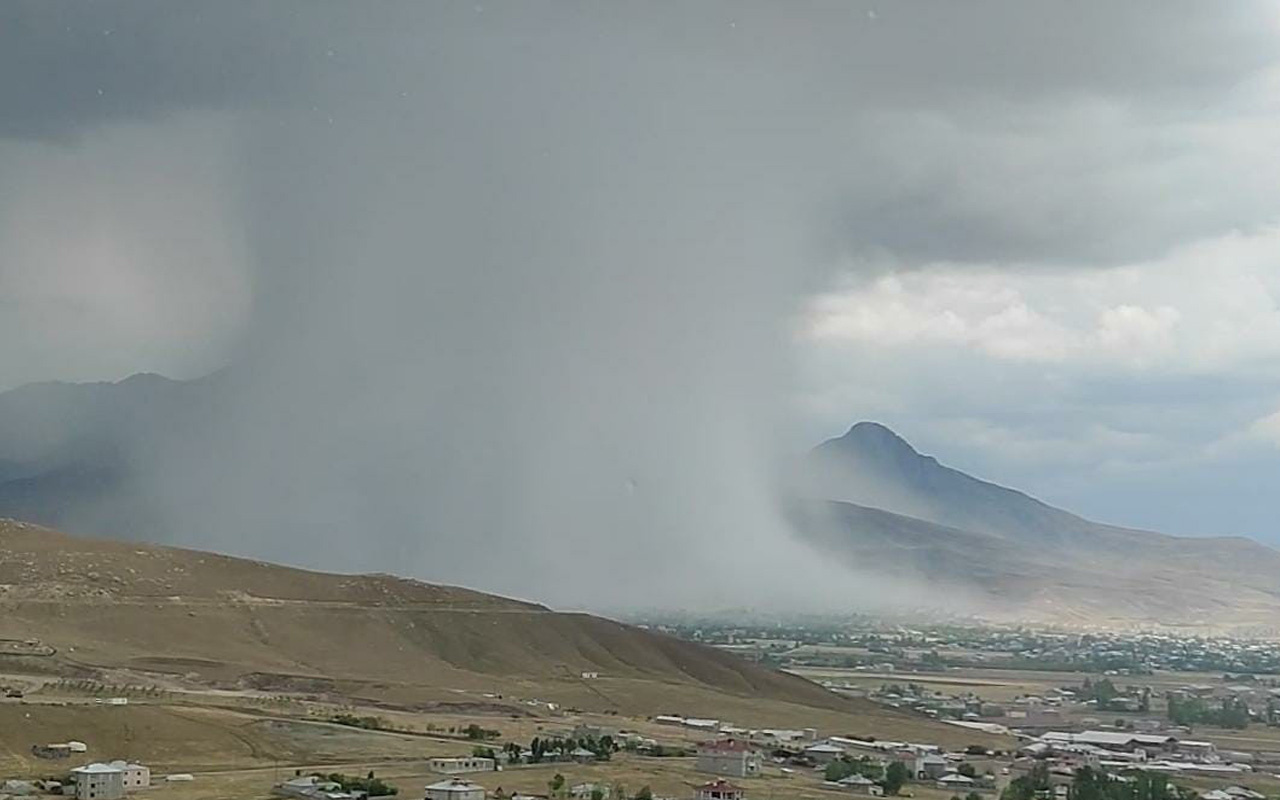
876, 502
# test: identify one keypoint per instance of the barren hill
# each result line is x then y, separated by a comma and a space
218, 620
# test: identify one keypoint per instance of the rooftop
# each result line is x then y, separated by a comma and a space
455, 785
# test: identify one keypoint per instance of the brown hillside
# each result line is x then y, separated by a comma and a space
229, 621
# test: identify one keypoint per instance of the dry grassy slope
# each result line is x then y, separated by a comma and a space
37, 561
164, 609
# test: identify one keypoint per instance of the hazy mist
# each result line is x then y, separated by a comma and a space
508, 294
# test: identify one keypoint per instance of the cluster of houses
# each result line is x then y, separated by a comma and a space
742, 758
1064, 752
923, 762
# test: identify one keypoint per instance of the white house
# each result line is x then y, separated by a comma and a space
460, 764
454, 789
98, 782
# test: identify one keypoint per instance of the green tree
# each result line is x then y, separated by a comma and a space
894, 777
1026, 786
839, 769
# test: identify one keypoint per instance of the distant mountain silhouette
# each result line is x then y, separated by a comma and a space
871, 465
876, 503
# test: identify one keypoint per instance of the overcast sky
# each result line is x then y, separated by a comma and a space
1040, 240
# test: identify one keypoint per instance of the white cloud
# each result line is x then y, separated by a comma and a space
1208, 307
1267, 429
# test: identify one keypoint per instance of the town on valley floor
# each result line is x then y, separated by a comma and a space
999, 714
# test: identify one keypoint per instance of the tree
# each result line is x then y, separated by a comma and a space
556, 784
1027, 786
839, 769
597, 793
966, 769
894, 777
645, 793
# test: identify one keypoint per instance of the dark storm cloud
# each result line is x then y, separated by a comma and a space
521, 273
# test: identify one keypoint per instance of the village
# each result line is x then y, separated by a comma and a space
1008, 742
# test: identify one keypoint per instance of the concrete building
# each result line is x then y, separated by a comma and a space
460, 764
454, 789
732, 758
719, 790
1149, 743
824, 753
930, 767
135, 776
98, 782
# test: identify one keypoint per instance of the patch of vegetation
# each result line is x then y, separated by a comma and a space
844, 766
373, 785
352, 721
476, 733
1233, 713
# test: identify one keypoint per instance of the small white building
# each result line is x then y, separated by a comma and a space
460, 764
454, 789
98, 782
